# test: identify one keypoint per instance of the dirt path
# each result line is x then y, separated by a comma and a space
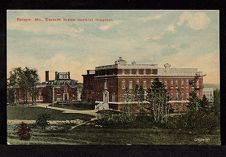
64, 110
53, 122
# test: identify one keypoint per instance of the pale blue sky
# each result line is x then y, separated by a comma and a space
181, 38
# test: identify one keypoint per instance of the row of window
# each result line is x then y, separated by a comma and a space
176, 97
138, 71
126, 71
172, 83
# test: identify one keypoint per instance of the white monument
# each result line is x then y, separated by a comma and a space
104, 105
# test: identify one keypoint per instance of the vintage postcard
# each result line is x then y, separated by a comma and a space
113, 77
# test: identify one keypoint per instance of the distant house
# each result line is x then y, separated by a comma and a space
209, 93
61, 89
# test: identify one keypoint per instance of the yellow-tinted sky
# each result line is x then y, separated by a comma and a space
181, 38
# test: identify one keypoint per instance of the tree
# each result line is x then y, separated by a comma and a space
159, 101
42, 120
194, 101
32, 80
204, 103
13, 83
23, 131
128, 107
139, 98
25, 80
216, 101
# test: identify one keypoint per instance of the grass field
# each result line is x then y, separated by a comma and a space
76, 106
92, 134
31, 113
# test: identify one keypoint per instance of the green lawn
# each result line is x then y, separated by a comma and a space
94, 135
76, 106
31, 113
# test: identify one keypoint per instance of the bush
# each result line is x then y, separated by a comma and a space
23, 131
197, 121
113, 120
42, 120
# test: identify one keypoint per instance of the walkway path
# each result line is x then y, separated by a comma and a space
64, 110
83, 123
53, 122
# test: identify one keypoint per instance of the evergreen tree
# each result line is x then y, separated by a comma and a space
194, 101
139, 98
204, 102
159, 101
128, 107
216, 102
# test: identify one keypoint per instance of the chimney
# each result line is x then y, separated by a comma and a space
56, 77
47, 76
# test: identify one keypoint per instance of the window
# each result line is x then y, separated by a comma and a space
187, 82
145, 95
127, 71
154, 71
176, 83
130, 84
123, 84
182, 82
187, 95
141, 71
105, 84
171, 93
197, 84
148, 71
165, 83
65, 90
113, 97
144, 84
151, 82
134, 71
177, 96
171, 83
138, 81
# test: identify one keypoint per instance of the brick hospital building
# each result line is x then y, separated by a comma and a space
60, 89
118, 77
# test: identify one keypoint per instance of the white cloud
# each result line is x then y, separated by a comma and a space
109, 26
170, 28
208, 63
153, 17
196, 21
155, 37
44, 27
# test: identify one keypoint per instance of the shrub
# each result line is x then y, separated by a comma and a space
42, 120
197, 121
23, 131
115, 119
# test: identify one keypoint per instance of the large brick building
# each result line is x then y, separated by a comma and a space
116, 78
61, 89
